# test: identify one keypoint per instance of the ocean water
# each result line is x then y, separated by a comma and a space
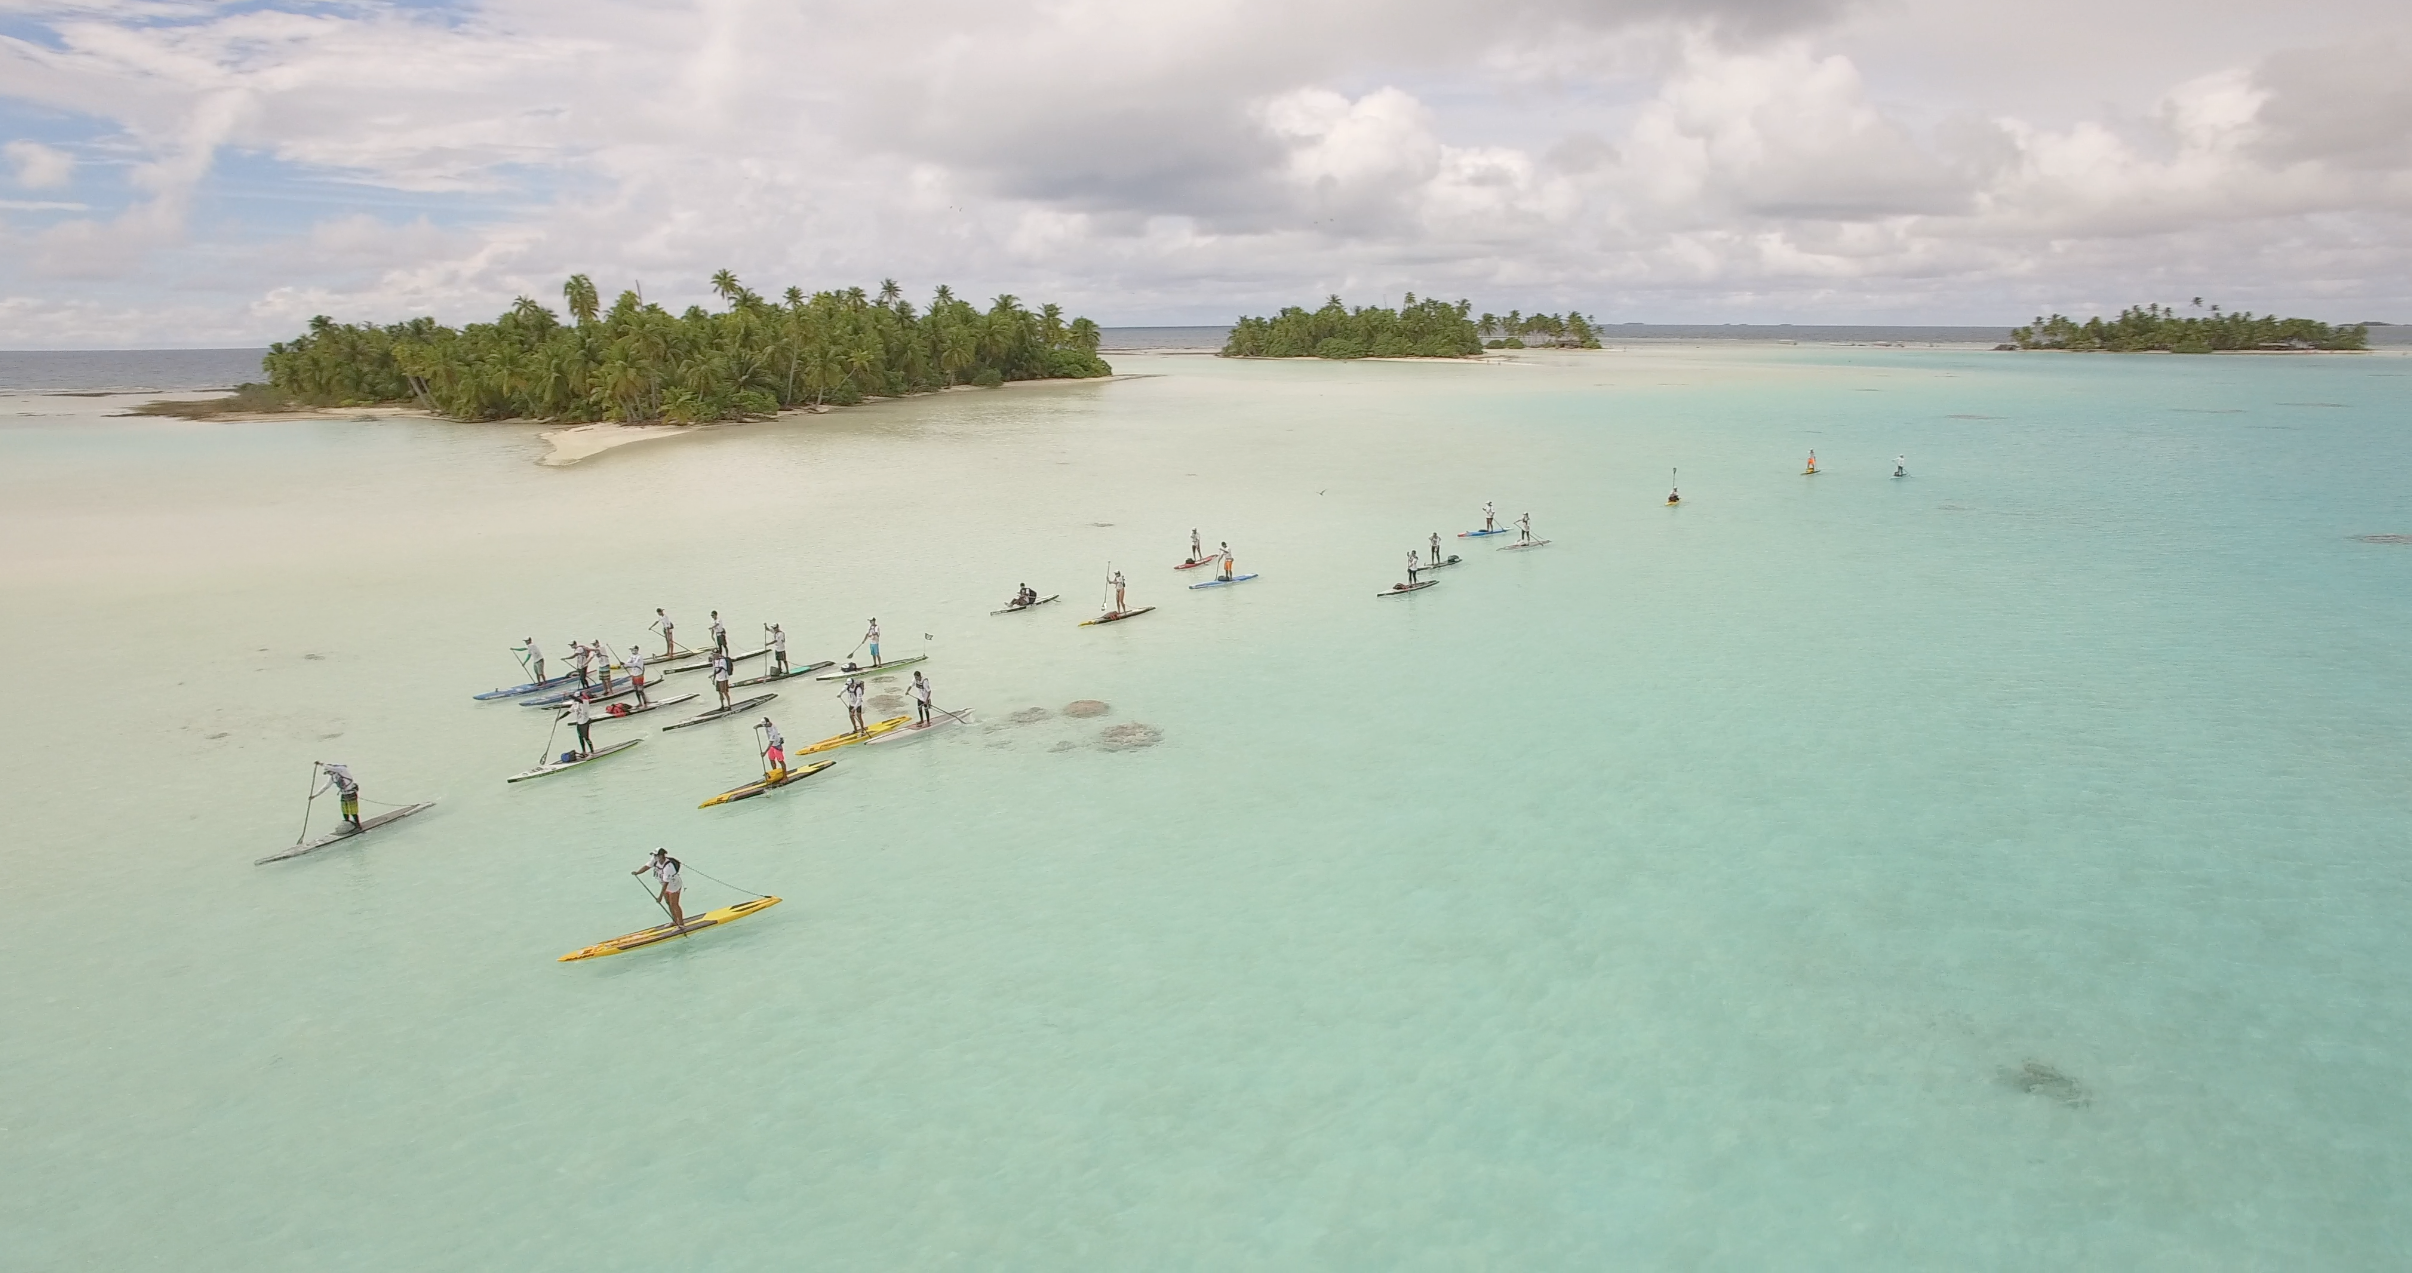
1998, 867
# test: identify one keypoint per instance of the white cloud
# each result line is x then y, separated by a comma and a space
40, 167
1636, 157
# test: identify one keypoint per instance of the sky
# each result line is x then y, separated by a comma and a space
186, 173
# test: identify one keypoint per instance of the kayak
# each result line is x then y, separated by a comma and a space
851, 671
620, 688
554, 767
1115, 616
619, 710
835, 741
1032, 606
1478, 534
767, 677
938, 720
767, 784
1202, 561
644, 937
1442, 565
722, 713
1402, 589
338, 836
1221, 583
734, 658
532, 687
1530, 543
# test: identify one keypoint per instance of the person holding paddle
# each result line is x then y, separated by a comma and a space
665, 870
339, 776
720, 635
853, 696
1414, 564
871, 638
636, 672
535, 661
1115, 581
920, 690
778, 647
774, 748
669, 631
721, 668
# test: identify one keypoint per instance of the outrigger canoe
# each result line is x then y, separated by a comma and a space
659, 933
1221, 583
554, 767
938, 720
734, 658
605, 692
722, 713
1402, 589
767, 677
1529, 543
850, 670
1032, 606
850, 737
532, 687
1115, 616
345, 833
767, 783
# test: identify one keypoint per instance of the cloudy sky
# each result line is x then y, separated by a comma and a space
176, 172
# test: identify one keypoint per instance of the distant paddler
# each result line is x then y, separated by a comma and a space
1524, 529
721, 668
774, 750
853, 696
1436, 552
1674, 492
663, 623
1490, 517
1115, 582
533, 658
581, 716
636, 672
720, 635
778, 649
1812, 466
1900, 469
920, 690
665, 870
1227, 564
582, 661
1414, 565
1197, 547
1024, 597
871, 638
339, 777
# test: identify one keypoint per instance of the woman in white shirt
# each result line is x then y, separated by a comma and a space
665, 870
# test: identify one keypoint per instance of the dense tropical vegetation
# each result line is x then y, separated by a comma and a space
2143, 328
1417, 329
1571, 330
637, 361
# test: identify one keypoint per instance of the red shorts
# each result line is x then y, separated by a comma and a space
778, 757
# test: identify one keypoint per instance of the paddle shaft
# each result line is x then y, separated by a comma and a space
307, 802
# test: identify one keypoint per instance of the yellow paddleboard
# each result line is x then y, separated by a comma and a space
663, 932
768, 783
835, 741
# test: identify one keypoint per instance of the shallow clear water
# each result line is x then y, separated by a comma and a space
1998, 867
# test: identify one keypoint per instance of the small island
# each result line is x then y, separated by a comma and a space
637, 363
2162, 329
1417, 329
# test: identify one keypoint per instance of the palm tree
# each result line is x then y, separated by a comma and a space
725, 283
580, 293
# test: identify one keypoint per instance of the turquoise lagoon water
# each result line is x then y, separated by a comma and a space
2002, 867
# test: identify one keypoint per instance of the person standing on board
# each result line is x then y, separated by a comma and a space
665, 870
1413, 566
1812, 468
1524, 529
1115, 581
1490, 516
582, 661
1227, 564
1197, 549
636, 672
535, 661
1674, 493
720, 635
339, 776
720, 675
871, 638
581, 715
669, 631
853, 696
778, 647
1901, 466
920, 690
774, 749
1436, 553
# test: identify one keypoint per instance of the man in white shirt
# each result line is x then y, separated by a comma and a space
535, 658
1490, 515
774, 748
778, 647
720, 635
871, 637
1413, 565
581, 715
665, 870
920, 690
668, 629
636, 672
853, 694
